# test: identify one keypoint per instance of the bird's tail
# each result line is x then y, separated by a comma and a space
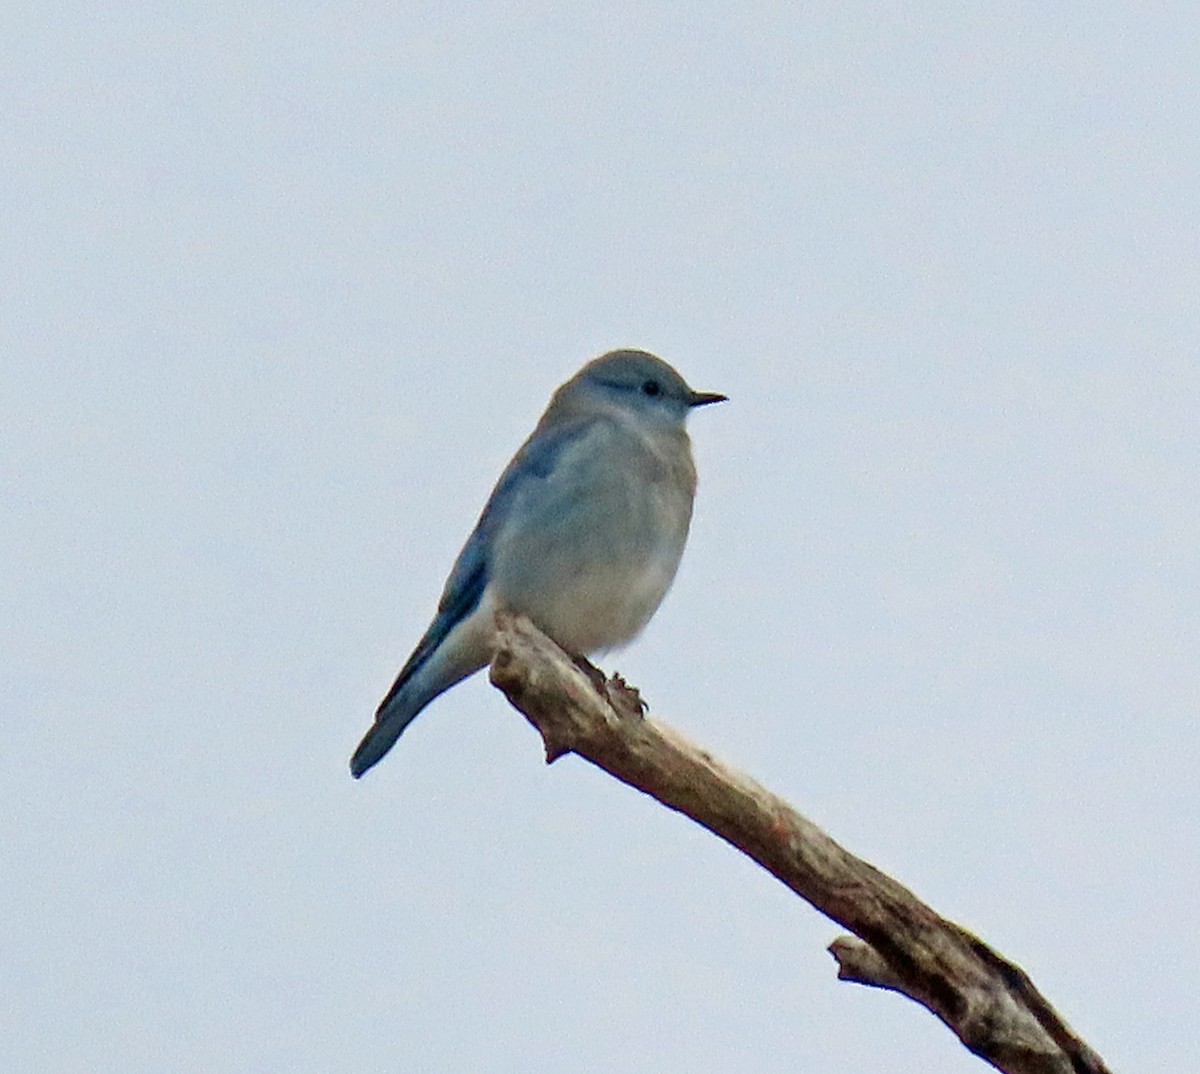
390, 721
451, 649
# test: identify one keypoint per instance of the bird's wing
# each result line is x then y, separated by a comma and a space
535, 461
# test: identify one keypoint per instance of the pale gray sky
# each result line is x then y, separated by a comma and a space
284, 288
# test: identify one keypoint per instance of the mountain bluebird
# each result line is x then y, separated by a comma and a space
582, 533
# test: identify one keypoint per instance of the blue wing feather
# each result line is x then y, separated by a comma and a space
420, 681
469, 576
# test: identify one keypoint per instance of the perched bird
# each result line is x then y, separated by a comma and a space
582, 533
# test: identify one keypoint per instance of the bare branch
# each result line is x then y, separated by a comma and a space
902, 944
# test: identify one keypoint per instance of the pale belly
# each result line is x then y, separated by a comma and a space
600, 608
592, 591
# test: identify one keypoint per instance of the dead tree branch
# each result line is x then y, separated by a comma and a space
899, 943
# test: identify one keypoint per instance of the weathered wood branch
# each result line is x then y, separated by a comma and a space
902, 944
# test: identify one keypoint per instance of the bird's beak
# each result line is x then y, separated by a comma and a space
704, 398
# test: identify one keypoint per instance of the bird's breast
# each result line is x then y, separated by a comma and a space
590, 553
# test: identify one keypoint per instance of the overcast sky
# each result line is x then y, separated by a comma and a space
284, 287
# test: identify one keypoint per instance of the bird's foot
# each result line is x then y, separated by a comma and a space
595, 676
626, 699
623, 697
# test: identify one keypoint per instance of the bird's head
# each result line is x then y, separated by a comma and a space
636, 383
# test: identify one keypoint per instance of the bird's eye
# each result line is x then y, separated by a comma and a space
652, 388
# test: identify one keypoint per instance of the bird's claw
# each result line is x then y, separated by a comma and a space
624, 698
595, 676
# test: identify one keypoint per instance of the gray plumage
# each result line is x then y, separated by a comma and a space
583, 532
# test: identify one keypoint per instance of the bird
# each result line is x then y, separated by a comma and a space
583, 533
